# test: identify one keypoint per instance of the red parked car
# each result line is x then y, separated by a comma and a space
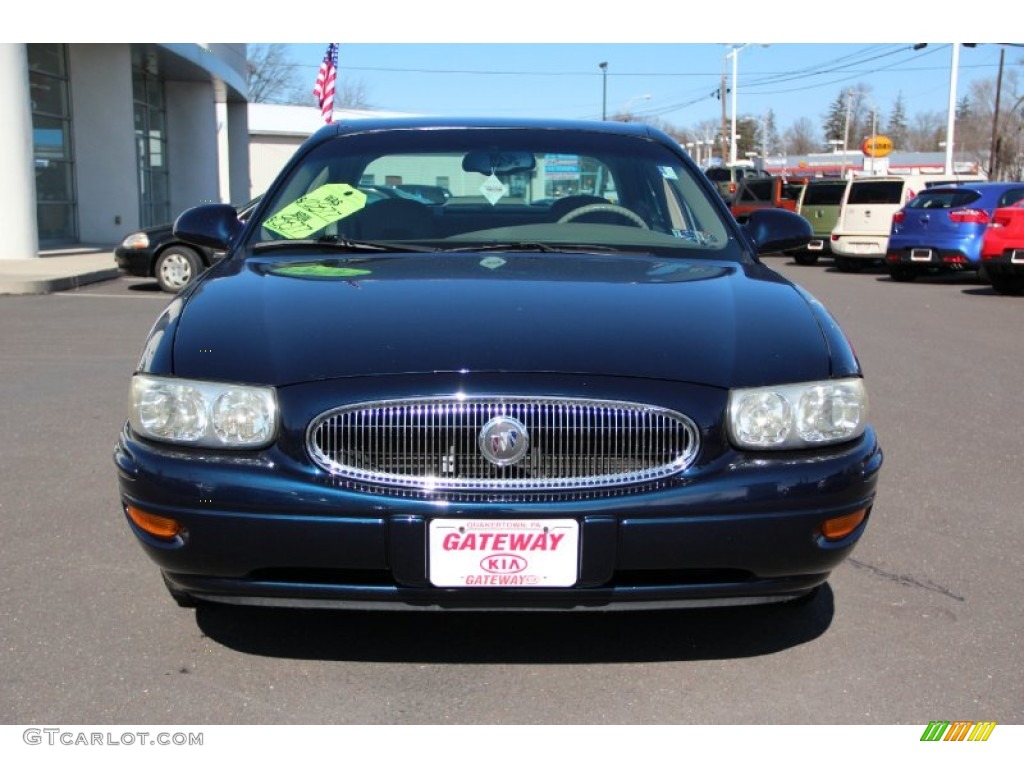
1002, 250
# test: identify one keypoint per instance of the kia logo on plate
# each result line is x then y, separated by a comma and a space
504, 564
503, 441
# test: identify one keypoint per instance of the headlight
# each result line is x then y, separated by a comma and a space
798, 415
136, 240
203, 413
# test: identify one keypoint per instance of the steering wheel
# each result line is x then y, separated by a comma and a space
583, 210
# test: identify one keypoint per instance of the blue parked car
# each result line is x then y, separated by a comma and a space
608, 402
943, 227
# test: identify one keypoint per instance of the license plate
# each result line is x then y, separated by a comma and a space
1017, 257
504, 553
815, 245
921, 254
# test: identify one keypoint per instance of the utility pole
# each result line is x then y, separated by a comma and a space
993, 151
604, 89
846, 127
721, 95
951, 115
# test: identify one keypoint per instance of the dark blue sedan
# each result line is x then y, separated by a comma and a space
942, 229
605, 402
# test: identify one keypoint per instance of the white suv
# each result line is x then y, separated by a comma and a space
865, 219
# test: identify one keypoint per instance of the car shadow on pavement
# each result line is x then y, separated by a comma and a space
518, 638
151, 287
983, 290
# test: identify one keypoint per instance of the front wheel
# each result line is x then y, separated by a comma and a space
176, 268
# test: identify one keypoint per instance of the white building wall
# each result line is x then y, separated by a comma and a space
191, 144
18, 190
103, 130
267, 156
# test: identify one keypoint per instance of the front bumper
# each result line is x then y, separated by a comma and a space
137, 262
746, 528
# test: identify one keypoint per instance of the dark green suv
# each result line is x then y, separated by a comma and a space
822, 201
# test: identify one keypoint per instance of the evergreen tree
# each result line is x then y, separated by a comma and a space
897, 128
834, 123
963, 109
749, 129
768, 140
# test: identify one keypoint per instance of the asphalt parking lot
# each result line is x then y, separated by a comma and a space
923, 623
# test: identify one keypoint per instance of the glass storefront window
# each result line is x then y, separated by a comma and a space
54, 220
52, 149
150, 141
49, 58
49, 94
53, 179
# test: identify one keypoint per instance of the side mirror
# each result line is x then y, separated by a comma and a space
774, 230
214, 226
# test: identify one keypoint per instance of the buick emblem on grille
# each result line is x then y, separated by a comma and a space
503, 441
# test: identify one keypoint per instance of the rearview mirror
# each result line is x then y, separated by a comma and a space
496, 161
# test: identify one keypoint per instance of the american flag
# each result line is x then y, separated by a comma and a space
324, 88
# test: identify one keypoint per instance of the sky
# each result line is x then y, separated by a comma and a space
675, 82
538, 58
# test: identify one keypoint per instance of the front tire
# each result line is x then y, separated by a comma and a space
176, 268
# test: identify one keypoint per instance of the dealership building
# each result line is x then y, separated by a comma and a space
101, 139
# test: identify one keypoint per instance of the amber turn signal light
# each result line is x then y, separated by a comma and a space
838, 527
154, 525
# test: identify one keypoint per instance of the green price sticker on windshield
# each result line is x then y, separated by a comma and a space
320, 208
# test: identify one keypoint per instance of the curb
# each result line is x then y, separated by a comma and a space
38, 286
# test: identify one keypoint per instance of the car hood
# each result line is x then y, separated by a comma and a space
281, 320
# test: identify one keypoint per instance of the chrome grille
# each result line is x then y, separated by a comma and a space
433, 443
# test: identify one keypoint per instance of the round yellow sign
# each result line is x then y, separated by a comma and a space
876, 146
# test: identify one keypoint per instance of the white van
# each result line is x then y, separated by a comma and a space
862, 233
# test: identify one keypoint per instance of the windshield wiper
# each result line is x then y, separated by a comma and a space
532, 246
335, 243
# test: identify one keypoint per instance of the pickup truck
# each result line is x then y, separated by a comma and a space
772, 192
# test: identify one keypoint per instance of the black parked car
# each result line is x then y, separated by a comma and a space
156, 252
605, 403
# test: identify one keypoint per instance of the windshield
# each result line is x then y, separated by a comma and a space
451, 189
825, 193
952, 197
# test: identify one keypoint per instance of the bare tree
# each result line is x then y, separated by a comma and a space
801, 138
926, 131
974, 131
352, 94
273, 76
